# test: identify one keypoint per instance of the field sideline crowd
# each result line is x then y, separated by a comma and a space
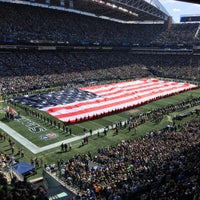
154, 166
161, 165
114, 177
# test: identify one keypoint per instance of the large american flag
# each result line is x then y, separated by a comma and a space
73, 105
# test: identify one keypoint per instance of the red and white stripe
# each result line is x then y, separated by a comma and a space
117, 96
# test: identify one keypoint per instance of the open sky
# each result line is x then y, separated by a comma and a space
177, 9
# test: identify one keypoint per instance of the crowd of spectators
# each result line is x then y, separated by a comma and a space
179, 33
20, 190
185, 67
35, 70
26, 23
10, 187
30, 23
160, 165
25, 71
158, 114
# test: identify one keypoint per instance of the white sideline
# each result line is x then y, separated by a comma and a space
36, 149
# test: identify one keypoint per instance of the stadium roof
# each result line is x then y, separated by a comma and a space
126, 10
190, 1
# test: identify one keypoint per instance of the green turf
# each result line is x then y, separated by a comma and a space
95, 142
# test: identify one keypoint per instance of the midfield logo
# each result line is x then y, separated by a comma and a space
32, 126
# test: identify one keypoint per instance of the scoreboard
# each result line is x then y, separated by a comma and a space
190, 19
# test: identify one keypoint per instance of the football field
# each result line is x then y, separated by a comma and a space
42, 140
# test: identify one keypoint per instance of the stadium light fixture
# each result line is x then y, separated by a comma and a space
111, 5
99, 1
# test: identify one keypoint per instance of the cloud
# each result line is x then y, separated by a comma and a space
176, 10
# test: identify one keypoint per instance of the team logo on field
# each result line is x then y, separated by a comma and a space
49, 136
32, 126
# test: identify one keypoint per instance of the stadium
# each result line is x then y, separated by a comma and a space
99, 100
